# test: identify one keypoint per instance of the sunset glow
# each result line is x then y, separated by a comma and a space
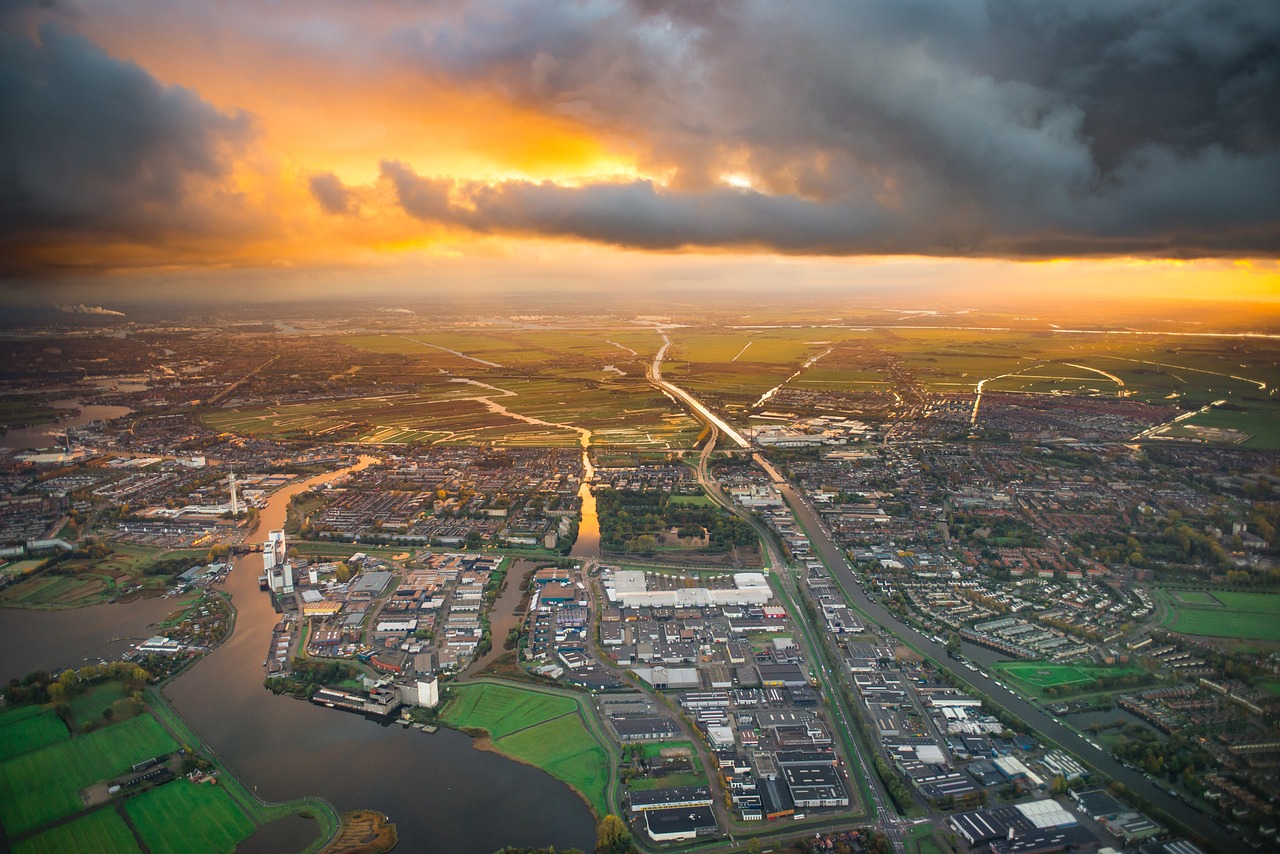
323, 136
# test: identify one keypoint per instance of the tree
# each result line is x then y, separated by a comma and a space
473, 539
612, 836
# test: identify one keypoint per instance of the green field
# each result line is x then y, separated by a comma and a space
165, 815
1225, 614
89, 706
544, 730
500, 710
29, 728
44, 785
100, 832
1036, 676
1195, 597
696, 777
565, 750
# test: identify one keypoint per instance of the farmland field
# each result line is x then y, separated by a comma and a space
100, 832
543, 730
43, 785
1225, 614
1195, 597
164, 816
29, 728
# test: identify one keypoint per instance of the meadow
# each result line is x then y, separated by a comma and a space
543, 730
84, 581
29, 728
502, 710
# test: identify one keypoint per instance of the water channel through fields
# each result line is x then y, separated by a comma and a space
443, 794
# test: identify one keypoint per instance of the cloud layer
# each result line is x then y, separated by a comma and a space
1010, 128
94, 148
1016, 128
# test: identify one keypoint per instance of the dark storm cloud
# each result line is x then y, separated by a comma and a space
93, 147
1016, 127
329, 191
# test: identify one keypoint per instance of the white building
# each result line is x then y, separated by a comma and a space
631, 589
274, 550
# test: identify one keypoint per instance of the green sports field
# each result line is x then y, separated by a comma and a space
44, 785
1223, 614
543, 730
101, 832
165, 815
1037, 676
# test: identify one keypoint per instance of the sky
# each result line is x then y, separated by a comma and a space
306, 147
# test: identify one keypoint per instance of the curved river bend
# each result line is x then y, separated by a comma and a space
443, 794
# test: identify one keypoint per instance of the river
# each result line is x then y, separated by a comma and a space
42, 435
443, 794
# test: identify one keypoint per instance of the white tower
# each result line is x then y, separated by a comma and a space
235, 500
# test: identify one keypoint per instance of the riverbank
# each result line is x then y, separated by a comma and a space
105, 764
545, 728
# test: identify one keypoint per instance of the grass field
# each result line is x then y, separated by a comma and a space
165, 815
101, 832
43, 785
1036, 676
1271, 686
89, 705
544, 730
1195, 597
1225, 614
29, 728
565, 749
501, 710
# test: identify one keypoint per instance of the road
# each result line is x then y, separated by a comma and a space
834, 684
1033, 716
655, 374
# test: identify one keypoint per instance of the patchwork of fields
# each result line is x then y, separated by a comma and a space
594, 379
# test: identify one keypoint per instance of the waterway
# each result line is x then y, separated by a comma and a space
587, 546
43, 435
68, 638
443, 794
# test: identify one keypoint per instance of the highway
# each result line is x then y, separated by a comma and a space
1218, 836
655, 374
